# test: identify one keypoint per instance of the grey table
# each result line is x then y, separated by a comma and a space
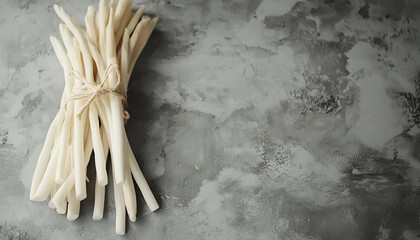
251, 119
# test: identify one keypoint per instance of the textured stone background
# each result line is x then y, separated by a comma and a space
251, 119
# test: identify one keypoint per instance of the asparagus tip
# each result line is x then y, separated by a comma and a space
91, 9
57, 8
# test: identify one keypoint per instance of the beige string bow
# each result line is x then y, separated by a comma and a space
89, 91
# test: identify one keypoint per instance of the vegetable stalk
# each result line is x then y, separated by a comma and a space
97, 64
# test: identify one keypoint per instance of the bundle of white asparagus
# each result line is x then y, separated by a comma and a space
97, 65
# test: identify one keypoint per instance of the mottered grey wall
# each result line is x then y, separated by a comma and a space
251, 119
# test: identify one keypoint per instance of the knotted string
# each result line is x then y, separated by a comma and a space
89, 91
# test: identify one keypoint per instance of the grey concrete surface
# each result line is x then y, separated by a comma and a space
251, 119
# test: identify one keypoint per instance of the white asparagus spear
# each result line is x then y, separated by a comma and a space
119, 11
79, 34
135, 20
117, 129
126, 17
98, 60
64, 141
141, 181
100, 160
119, 31
91, 31
73, 202
98, 209
129, 194
73, 208
103, 20
125, 59
79, 129
140, 39
119, 208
